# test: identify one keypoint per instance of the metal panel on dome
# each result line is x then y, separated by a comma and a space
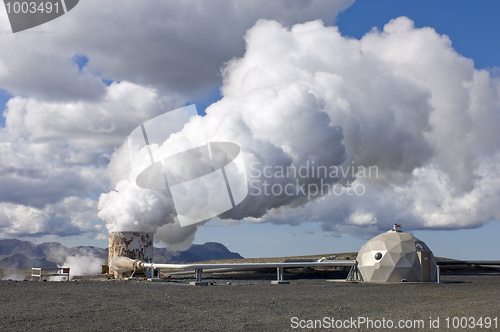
396, 256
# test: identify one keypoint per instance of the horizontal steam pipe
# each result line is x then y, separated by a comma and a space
482, 263
236, 266
124, 264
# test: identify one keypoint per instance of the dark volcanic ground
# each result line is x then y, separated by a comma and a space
243, 305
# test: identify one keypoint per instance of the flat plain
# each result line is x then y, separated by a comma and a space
242, 302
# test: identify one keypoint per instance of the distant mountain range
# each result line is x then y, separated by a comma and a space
25, 255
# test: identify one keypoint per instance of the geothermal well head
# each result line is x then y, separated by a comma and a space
134, 245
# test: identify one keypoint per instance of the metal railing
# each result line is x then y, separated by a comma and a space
248, 266
38, 272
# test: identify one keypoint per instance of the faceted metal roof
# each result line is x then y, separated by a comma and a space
394, 256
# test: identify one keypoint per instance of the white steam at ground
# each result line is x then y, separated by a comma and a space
13, 276
81, 265
401, 100
81, 262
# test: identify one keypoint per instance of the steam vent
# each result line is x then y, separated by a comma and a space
134, 245
396, 256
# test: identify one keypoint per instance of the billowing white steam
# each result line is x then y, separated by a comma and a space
404, 101
83, 265
131, 208
401, 100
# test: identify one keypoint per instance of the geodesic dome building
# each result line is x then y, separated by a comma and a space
396, 256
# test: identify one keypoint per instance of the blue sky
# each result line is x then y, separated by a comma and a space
471, 25
4, 98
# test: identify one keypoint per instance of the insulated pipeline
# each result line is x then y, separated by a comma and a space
248, 265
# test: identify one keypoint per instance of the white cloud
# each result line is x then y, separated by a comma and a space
54, 155
401, 99
177, 46
100, 125
307, 94
67, 217
64, 123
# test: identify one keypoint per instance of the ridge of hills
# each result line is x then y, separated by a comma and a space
24, 255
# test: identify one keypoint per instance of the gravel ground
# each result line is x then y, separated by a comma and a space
243, 305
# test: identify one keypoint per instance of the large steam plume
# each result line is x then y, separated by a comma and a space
401, 100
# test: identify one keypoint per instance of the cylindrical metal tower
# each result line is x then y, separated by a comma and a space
134, 245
